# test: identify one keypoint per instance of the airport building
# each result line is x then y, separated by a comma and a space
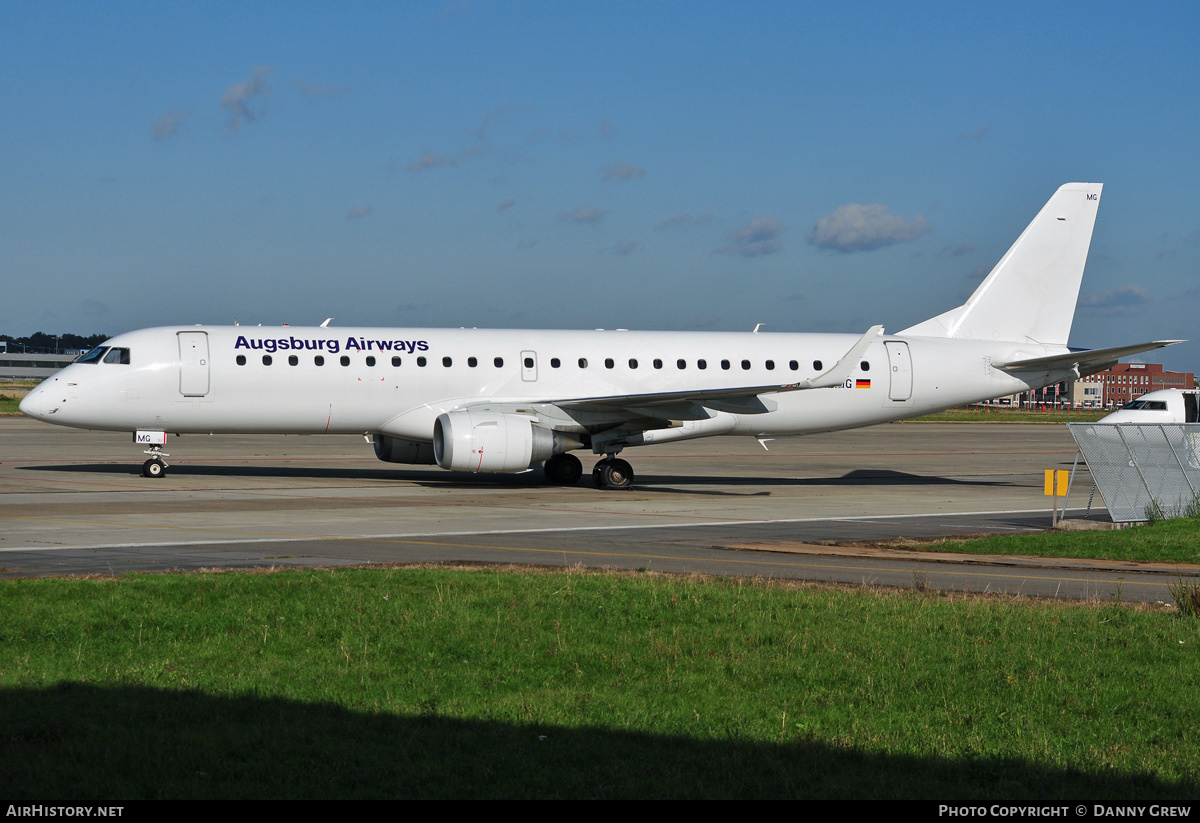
1125, 381
1109, 389
21, 366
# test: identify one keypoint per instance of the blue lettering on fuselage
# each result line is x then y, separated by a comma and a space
330, 345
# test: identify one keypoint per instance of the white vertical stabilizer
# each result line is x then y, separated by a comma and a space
1029, 297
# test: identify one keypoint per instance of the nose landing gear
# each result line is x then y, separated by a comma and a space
155, 466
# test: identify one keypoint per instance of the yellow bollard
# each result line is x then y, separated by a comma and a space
1056, 487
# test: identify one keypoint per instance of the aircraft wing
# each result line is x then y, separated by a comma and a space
1087, 361
747, 396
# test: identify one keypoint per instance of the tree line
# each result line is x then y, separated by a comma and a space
43, 343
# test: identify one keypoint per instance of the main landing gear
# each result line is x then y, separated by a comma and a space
613, 473
609, 473
563, 469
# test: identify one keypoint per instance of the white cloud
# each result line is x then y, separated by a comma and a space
977, 134
623, 171
758, 237
239, 97
168, 125
956, 251
585, 214
1123, 301
858, 227
625, 248
429, 160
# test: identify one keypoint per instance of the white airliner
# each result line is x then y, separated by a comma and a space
507, 400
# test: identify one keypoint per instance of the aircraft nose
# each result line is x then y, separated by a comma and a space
34, 404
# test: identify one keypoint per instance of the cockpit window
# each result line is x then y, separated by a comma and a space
117, 355
94, 356
1146, 405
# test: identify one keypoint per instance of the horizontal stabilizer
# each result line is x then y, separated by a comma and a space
1087, 361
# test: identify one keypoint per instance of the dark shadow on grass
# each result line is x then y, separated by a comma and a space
89, 743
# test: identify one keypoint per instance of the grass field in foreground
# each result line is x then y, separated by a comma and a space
1168, 541
487, 683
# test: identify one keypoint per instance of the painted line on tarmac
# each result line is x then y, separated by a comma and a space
284, 538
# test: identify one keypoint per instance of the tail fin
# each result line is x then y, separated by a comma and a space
1030, 295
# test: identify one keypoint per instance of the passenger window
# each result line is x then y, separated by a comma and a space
725, 365
583, 362
817, 365
472, 362
746, 364
657, 363
555, 362
681, 364
632, 363
319, 360
293, 360
447, 362
770, 365
529, 362
702, 364
608, 363
793, 365
370, 361
241, 359
865, 366
396, 362
499, 362
266, 359
421, 361
345, 361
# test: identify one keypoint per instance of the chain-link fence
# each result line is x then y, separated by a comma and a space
1142, 469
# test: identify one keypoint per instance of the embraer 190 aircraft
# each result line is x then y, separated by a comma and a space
506, 400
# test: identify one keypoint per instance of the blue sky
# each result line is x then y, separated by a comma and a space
810, 166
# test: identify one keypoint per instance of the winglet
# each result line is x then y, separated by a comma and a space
841, 370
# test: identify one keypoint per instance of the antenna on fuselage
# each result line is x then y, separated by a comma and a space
757, 326
325, 325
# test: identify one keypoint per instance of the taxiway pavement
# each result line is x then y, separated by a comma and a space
74, 502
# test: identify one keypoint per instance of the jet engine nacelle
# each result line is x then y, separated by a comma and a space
476, 441
398, 450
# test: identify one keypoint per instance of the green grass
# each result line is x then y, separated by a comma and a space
1176, 540
443, 683
980, 415
9, 404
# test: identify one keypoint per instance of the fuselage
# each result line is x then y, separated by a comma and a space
313, 380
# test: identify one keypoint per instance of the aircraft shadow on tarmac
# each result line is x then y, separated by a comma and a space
173, 743
437, 478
